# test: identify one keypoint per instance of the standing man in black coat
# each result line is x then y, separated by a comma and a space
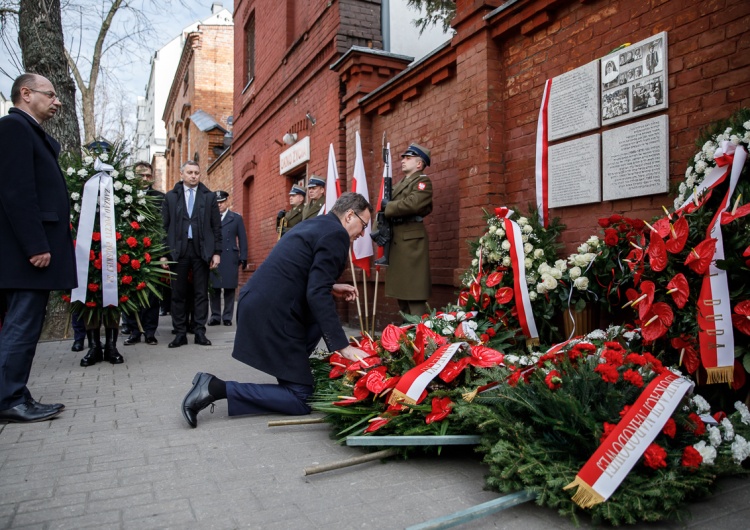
284, 310
234, 254
149, 316
37, 246
193, 225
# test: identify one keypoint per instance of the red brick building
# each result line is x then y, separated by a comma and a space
474, 102
198, 109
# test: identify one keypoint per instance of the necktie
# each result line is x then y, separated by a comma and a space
191, 202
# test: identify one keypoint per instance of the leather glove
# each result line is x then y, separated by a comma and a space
380, 239
383, 204
281, 214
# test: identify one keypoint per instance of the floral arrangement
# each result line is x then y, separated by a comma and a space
139, 233
557, 408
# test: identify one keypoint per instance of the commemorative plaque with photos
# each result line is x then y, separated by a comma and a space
634, 80
574, 102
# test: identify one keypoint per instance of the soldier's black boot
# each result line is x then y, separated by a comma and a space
110, 346
95, 354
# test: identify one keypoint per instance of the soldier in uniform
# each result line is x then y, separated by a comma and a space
287, 219
316, 193
408, 279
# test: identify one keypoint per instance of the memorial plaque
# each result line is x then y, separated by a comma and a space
574, 102
574, 172
636, 159
634, 80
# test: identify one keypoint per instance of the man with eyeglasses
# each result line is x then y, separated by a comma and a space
37, 246
284, 310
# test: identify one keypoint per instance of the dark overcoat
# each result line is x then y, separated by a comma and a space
408, 276
208, 218
287, 306
234, 250
34, 208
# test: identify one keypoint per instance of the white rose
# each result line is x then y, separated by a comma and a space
580, 260
88, 160
581, 283
117, 185
448, 330
500, 232
127, 188
522, 221
561, 265
550, 284
528, 263
555, 273
70, 171
506, 261
128, 199
543, 268
475, 262
492, 229
129, 175
532, 295
505, 244
75, 196
116, 200
575, 272
530, 278
77, 207
126, 213
538, 253
448, 317
540, 288
103, 157
140, 218
494, 257
82, 173
700, 166
734, 139
593, 241
528, 248
528, 229
525, 238
583, 248
115, 173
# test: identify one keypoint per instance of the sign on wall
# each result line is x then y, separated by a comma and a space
574, 102
295, 156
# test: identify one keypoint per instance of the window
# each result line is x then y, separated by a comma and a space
249, 51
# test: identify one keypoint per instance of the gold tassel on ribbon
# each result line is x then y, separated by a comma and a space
585, 497
469, 396
722, 374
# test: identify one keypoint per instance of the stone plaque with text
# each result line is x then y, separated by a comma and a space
574, 172
574, 102
636, 159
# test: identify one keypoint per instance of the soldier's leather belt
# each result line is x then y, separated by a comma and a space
409, 219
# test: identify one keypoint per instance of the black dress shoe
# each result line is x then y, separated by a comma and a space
179, 340
227, 322
77, 345
28, 412
93, 356
132, 339
111, 354
150, 339
197, 399
51, 406
127, 331
201, 339
213, 322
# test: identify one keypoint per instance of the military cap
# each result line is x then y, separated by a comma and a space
315, 180
221, 196
297, 190
418, 150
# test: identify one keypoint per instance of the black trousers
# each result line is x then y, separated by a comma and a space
216, 296
149, 317
190, 262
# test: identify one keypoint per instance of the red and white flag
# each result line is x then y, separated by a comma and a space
362, 246
542, 162
520, 286
333, 186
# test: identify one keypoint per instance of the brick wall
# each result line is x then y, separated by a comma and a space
219, 176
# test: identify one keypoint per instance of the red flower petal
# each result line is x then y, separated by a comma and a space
680, 290
504, 295
493, 279
391, 337
441, 407
678, 236
657, 252
453, 369
376, 424
656, 321
741, 317
662, 227
475, 290
700, 257
742, 211
484, 357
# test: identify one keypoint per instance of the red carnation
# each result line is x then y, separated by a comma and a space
135, 225
391, 337
92, 255
691, 457
98, 264
608, 372
65, 298
655, 457
119, 268
96, 236
126, 280
670, 429
146, 242
608, 428
132, 242
611, 237
93, 287
140, 286
553, 380
124, 299
90, 304
697, 427
136, 264
633, 377
124, 259
118, 236
147, 257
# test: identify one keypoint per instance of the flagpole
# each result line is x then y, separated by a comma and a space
374, 301
367, 311
354, 277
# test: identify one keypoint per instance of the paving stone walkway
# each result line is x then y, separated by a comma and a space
121, 456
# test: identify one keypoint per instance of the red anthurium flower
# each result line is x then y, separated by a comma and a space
739, 375
463, 298
662, 227
641, 301
700, 257
678, 236
441, 407
742, 211
484, 357
364, 364
420, 341
374, 380
657, 252
679, 289
504, 295
697, 203
391, 337
688, 352
453, 369
493, 279
484, 300
475, 290
634, 258
741, 317
501, 212
656, 321
368, 345
338, 363
377, 423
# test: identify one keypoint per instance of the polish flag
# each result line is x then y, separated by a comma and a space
362, 247
333, 186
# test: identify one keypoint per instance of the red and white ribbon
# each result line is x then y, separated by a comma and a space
542, 162
610, 464
520, 287
412, 383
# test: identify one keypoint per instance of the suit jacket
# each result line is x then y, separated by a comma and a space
205, 213
312, 208
287, 304
408, 276
234, 250
34, 208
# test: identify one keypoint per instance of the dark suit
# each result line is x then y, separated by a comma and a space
34, 218
284, 310
191, 254
234, 250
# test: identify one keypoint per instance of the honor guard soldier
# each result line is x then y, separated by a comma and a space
408, 278
316, 190
287, 219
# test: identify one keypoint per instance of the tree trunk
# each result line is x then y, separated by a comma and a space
41, 38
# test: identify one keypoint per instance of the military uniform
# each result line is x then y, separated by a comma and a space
293, 216
408, 277
312, 208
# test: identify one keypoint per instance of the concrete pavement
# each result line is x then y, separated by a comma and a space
121, 456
